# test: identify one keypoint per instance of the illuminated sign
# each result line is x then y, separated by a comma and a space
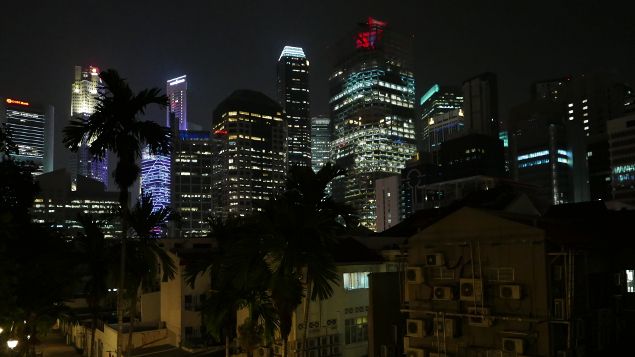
18, 102
177, 80
368, 39
220, 132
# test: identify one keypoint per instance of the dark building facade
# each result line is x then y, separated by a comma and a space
437, 100
194, 164
31, 128
61, 199
253, 134
547, 151
473, 154
372, 90
621, 133
294, 96
480, 105
589, 101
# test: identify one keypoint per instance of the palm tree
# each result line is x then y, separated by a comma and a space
241, 280
94, 252
306, 221
115, 126
146, 259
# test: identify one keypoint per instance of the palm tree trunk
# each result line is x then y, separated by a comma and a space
306, 317
133, 313
284, 347
227, 345
123, 201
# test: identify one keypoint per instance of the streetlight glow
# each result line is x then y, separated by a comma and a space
12, 343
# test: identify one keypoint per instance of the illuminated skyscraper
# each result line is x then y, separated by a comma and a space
86, 93
372, 108
293, 95
196, 159
177, 96
155, 169
31, 129
320, 142
254, 155
436, 101
155, 178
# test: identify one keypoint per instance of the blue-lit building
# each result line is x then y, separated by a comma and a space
436, 101
441, 128
372, 99
545, 153
156, 178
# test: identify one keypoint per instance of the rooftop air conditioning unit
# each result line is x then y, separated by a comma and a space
435, 260
415, 328
481, 321
511, 292
415, 352
471, 289
513, 345
444, 327
414, 275
442, 293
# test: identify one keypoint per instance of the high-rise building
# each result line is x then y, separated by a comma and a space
156, 178
622, 149
591, 101
86, 90
439, 128
62, 198
196, 160
550, 89
388, 211
372, 90
177, 97
437, 100
480, 95
320, 142
294, 97
253, 169
588, 101
542, 150
30, 127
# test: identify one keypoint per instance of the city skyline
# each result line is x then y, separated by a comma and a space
505, 47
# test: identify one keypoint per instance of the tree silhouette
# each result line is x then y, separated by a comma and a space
115, 126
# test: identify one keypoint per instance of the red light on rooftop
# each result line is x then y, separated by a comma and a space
368, 39
18, 102
220, 132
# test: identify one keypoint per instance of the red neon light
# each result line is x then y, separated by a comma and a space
18, 102
368, 39
220, 132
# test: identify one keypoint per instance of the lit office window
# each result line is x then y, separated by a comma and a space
357, 280
630, 281
356, 330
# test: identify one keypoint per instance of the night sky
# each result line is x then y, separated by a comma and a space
223, 46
